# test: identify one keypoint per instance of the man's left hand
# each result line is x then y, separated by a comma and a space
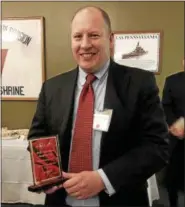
83, 185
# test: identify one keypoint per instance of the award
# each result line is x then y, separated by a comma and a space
46, 163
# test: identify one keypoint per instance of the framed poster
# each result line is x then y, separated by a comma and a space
138, 49
22, 58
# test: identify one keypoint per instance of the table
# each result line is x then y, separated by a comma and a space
17, 175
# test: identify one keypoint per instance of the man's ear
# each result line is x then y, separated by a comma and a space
111, 38
111, 44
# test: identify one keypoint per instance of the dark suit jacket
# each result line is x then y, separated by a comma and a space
174, 105
136, 145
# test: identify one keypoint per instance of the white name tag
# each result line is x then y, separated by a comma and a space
102, 120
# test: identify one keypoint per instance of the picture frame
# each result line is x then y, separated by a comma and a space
46, 163
22, 58
139, 49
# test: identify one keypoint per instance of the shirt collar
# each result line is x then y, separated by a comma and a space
99, 74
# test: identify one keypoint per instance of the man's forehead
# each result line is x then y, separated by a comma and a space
87, 29
88, 10
84, 30
88, 21
89, 13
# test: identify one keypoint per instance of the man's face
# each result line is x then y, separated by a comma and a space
90, 40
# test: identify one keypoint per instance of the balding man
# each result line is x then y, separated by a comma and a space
111, 127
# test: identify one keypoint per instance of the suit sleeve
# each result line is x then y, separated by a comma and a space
38, 125
168, 103
136, 166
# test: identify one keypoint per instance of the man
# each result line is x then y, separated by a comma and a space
124, 154
174, 106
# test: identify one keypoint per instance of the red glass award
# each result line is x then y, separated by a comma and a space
46, 163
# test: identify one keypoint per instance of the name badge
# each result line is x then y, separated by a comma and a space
102, 120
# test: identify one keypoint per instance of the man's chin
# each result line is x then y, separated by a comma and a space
88, 68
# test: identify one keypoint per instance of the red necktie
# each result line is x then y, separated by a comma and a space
81, 153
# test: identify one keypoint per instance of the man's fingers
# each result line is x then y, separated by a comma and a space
68, 175
73, 189
72, 179
51, 190
76, 194
71, 182
60, 186
80, 197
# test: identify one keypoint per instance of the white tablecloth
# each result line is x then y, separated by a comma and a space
17, 175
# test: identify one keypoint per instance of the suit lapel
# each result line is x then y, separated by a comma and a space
67, 98
110, 101
116, 98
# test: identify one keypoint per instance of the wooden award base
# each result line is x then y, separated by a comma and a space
46, 185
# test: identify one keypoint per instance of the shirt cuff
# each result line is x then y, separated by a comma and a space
109, 188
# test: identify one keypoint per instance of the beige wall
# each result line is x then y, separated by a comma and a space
165, 16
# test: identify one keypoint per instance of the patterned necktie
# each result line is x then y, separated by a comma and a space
81, 153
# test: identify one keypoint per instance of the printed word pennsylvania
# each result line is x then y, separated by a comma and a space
12, 90
132, 37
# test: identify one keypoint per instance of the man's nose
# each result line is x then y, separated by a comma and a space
86, 43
